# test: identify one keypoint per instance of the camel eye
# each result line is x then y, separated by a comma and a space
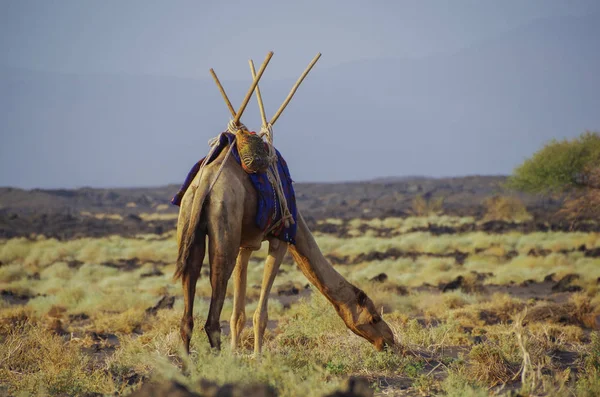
361, 298
375, 320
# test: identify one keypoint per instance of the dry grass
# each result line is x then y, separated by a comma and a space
403, 225
489, 364
465, 342
424, 242
146, 216
33, 255
36, 361
114, 217
157, 216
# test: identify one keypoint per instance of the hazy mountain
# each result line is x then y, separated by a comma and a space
478, 111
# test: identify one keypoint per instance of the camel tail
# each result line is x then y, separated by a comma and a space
190, 232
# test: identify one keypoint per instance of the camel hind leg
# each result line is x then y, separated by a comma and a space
189, 280
277, 250
224, 243
238, 316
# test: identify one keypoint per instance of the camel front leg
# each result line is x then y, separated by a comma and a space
277, 251
238, 317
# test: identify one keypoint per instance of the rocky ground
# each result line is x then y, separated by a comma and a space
88, 212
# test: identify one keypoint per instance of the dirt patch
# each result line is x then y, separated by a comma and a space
560, 313
564, 359
166, 302
131, 378
564, 284
353, 387
124, 264
207, 389
132, 264
452, 285
530, 290
288, 300
501, 227
154, 273
64, 225
428, 322
380, 278
167, 389
103, 339
492, 317
15, 298
394, 253
56, 326
78, 317
74, 264
469, 283
98, 346
538, 252
593, 253
288, 289
396, 288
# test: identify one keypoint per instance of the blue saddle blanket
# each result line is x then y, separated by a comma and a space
268, 211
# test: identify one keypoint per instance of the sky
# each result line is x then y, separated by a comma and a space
182, 39
186, 38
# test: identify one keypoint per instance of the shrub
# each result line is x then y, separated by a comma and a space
505, 208
559, 165
421, 206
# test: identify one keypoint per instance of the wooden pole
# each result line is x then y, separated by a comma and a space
240, 111
231, 109
258, 96
294, 88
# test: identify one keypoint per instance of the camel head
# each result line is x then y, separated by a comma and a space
350, 302
363, 319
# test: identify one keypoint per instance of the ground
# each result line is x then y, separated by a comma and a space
478, 306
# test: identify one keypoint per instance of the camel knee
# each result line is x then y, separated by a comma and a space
238, 315
187, 325
185, 330
260, 319
238, 321
260, 325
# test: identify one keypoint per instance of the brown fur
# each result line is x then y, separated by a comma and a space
226, 216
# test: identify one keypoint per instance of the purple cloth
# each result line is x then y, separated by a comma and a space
267, 211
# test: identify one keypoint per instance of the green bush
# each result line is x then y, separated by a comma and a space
559, 165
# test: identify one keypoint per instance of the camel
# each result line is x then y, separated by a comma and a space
220, 204
226, 215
